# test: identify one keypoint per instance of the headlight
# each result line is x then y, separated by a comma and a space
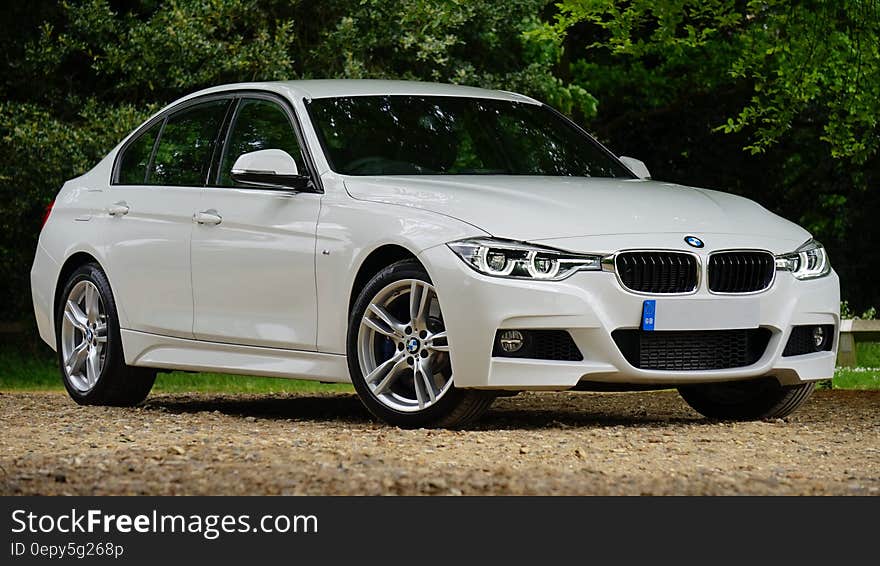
808, 262
505, 258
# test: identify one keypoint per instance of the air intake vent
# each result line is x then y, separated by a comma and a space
809, 339
740, 272
657, 272
541, 345
692, 350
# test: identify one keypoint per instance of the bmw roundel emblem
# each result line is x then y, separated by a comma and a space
412, 345
694, 242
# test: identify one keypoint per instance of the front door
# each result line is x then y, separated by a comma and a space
253, 254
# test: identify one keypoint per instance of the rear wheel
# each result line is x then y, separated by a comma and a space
746, 400
90, 347
398, 353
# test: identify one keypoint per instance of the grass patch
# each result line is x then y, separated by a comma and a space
179, 382
868, 354
866, 376
856, 378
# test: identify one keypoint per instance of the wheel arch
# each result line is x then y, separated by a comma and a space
71, 264
376, 261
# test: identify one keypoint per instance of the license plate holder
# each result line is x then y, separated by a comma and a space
700, 314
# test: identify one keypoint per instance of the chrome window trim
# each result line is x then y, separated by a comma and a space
163, 117
233, 95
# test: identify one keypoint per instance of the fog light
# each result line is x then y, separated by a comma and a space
511, 341
818, 338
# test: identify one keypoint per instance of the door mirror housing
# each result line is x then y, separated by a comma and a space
638, 168
270, 169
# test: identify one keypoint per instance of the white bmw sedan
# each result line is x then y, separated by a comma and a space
435, 245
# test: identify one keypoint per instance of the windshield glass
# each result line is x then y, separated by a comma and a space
442, 135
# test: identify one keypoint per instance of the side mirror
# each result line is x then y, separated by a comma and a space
638, 168
269, 169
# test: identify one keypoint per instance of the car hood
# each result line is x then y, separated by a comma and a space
562, 208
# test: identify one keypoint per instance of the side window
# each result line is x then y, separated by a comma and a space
186, 146
136, 158
259, 124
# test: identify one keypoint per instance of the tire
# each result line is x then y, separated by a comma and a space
98, 374
401, 393
746, 400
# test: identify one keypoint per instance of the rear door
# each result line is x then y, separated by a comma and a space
158, 184
253, 260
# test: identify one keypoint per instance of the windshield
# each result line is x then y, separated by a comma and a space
442, 135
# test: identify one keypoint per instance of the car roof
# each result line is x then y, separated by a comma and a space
328, 88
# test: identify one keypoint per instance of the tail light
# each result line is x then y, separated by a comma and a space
47, 213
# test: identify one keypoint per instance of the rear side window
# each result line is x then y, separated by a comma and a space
259, 124
184, 152
136, 158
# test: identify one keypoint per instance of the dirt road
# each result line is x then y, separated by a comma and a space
536, 443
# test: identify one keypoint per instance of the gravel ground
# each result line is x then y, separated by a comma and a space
535, 443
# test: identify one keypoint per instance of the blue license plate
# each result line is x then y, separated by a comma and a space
649, 314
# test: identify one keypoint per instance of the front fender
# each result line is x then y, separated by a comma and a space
348, 231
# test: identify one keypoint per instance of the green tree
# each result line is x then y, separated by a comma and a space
475, 42
818, 59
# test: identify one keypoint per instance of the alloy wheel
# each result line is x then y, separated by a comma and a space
84, 336
402, 347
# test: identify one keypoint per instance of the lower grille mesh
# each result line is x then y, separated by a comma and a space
692, 350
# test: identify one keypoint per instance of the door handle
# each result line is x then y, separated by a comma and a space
209, 217
120, 208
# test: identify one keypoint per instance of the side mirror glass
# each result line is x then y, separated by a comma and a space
638, 168
269, 169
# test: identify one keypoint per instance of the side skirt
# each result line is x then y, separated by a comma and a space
164, 352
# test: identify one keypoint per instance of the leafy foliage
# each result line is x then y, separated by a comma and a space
143, 55
847, 312
795, 58
480, 43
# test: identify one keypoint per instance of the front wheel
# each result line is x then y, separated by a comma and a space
746, 400
398, 353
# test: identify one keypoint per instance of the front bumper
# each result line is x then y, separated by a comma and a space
590, 305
